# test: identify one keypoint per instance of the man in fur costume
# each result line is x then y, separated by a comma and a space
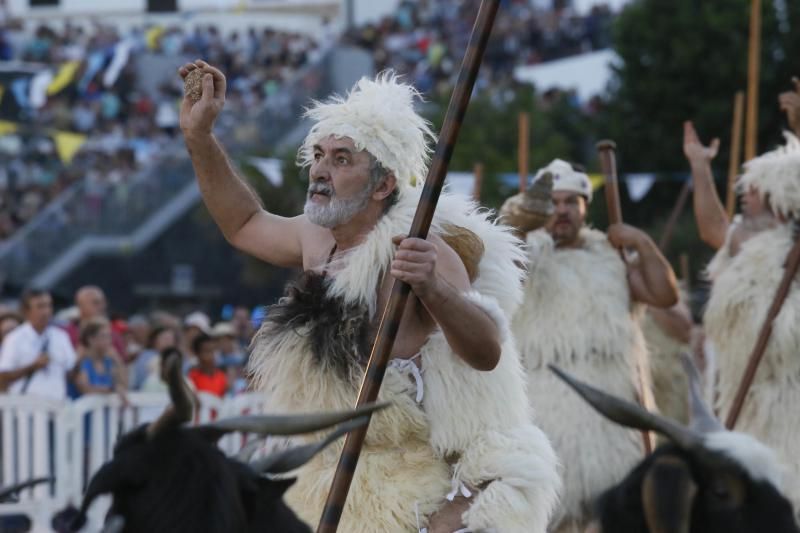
742, 293
457, 449
580, 313
724, 235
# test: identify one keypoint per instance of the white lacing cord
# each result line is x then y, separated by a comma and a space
457, 487
420, 529
408, 365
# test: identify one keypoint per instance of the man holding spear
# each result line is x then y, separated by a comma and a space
458, 448
580, 313
741, 295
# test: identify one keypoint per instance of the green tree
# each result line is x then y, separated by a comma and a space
685, 59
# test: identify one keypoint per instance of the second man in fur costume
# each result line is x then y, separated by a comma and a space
580, 313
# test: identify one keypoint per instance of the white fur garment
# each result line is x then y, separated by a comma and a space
740, 298
483, 417
577, 314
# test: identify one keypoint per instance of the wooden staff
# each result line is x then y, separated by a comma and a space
608, 162
789, 273
736, 153
390, 322
686, 274
478, 184
753, 73
524, 147
666, 237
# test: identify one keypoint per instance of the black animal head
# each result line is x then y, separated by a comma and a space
168, 477
707, 479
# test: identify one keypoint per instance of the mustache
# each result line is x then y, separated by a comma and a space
322, 188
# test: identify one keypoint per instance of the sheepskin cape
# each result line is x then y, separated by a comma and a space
577, 314
479, 421
670, 385
740, 298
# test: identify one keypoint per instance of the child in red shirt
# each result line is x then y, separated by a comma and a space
206, 376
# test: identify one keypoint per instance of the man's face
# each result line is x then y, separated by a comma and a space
752, 204
91, 303
568, 217
39, 311
339, 185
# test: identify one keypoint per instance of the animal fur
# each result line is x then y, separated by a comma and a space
740, 298
482, 418
670, 386
577, 314
776, 177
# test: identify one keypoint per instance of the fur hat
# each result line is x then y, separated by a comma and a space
378, 115
566, 178
776, 175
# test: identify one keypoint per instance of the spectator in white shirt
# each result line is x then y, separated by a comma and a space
35, 357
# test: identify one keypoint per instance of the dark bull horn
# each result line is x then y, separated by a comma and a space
7, 493
182, 398
287, 460
631, 415
285, 424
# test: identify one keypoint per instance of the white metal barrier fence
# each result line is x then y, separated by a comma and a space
69, 441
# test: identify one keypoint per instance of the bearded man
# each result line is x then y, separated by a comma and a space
742, 293
580, 312
457, 449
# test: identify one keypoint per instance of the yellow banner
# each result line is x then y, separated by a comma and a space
7, 127
152, 36
68, 144
63, 78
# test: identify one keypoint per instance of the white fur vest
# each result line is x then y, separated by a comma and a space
480, 418
740, 298
577, 315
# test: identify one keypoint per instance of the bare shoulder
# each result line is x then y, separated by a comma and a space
315, 241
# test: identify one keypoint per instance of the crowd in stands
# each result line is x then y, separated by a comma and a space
124, 122
81, 350
426, 39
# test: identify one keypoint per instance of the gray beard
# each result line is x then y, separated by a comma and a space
337, 211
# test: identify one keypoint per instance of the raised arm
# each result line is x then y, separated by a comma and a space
712, 220
650, 277
233, 205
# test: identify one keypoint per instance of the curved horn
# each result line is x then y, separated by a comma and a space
288, 460
106, 480
9, 492
285, 424
701, 417
182, 401
629, 414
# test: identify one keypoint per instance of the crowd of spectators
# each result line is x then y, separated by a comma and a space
426, 39
81, 350
125, 121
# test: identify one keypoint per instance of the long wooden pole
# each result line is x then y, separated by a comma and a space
666, 237
390, 322
478, 184
753, 74
606, 149
789, 272
736, 153
523, 149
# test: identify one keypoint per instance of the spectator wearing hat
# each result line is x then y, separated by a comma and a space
194, 325
205, 376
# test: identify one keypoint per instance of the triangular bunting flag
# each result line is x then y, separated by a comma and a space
7, 127
597, 181
68, 144
639, 185
270, 169
63, 77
